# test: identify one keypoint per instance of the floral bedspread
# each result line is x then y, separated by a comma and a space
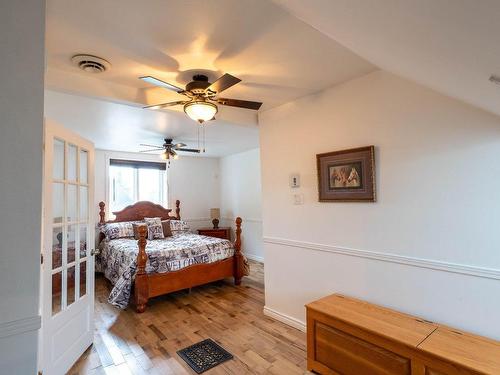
118, 259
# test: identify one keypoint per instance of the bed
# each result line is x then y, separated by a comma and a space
143, 268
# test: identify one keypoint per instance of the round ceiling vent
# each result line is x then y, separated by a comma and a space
91, 64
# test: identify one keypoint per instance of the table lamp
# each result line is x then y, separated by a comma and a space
215, 216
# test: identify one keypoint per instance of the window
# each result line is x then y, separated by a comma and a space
131, 181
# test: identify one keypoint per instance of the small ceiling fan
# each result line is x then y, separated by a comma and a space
170, 149
203, 96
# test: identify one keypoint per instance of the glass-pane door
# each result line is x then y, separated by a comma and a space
68, 267
71, 226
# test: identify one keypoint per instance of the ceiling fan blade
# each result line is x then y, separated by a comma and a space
160, 83
153, 149
179, 145
146, 145
223, 83
188, 150
165, 105
239, 103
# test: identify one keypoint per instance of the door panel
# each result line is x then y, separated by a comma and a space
68, 272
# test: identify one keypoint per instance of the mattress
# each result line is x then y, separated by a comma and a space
118, 259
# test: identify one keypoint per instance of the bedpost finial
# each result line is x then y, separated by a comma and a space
238, 256
141, 280
237, 242
142, 230
102, 212
178, 209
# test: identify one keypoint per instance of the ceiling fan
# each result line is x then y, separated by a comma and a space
170, 149
203, 96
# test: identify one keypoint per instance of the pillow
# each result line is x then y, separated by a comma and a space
167, 232
136, 227
179, 226
155, 229
118, 230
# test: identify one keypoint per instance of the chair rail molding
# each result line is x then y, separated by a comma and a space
245, 220
16, 327
476, 271
196, 219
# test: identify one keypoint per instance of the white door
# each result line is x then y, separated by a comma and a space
67, 296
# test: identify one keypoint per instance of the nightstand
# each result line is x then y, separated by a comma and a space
221, 232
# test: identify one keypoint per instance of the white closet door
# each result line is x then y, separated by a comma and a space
67, 296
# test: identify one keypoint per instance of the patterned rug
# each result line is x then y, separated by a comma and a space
204, 355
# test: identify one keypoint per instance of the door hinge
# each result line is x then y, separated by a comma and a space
41, 258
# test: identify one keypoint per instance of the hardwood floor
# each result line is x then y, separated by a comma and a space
130, 343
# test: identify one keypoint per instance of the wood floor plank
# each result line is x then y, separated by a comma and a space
138, 344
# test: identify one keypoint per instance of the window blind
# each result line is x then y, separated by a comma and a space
138, 164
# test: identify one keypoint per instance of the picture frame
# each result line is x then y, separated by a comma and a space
347, 175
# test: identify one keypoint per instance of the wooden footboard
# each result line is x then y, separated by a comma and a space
157, 284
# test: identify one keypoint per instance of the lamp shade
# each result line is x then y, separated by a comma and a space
200, 111
215, 213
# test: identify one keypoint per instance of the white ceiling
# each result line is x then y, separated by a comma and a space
119, 127
449, 45
278, 57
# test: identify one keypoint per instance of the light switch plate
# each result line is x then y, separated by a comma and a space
295, 180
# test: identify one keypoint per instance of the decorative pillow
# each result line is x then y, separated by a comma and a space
136, 227
167, 232
179, 226
118, 230
155, 229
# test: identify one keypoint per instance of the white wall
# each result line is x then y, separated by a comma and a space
429, 245
21, 136
192, 180
241, 195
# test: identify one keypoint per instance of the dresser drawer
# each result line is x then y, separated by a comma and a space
349, 355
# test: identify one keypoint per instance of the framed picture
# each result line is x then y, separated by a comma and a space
347, 175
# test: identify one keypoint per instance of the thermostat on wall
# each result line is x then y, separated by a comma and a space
294, 180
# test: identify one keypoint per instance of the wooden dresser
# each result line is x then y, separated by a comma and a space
352, 337
221, 232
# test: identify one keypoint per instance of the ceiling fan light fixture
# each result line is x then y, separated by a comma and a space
200, 110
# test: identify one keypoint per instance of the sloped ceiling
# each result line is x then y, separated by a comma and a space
451, 46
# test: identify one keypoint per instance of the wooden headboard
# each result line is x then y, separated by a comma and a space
138, 211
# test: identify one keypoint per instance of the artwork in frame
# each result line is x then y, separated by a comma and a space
347, 175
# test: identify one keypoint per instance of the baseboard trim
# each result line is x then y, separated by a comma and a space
283, 318
488, 273
254, 257
17, 327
